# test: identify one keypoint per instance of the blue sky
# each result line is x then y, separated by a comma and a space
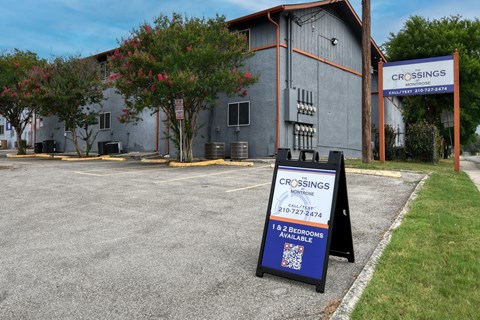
86, 27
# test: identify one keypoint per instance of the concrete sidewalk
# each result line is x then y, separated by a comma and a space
471, 166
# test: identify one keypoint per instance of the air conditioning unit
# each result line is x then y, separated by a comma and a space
215, 150
239, 150
114, 147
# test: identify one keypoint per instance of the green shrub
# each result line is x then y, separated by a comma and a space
423, 142
390, 136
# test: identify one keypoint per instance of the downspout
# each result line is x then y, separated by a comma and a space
277, 29
290, 52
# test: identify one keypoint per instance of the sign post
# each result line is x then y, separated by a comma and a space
307, 220
179, 115
420, 77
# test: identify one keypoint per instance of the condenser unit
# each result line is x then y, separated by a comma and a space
215, 150
239, 150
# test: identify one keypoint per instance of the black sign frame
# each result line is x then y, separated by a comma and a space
339, 240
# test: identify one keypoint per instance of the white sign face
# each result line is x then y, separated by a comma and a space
418, 77
179, 115
303, 195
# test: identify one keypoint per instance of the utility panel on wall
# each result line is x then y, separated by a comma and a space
299, 106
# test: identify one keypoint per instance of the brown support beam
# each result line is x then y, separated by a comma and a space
456, 109
381, 114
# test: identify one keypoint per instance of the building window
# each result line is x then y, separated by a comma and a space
2, 129
239, 114
105, 121
246, 33
104, 70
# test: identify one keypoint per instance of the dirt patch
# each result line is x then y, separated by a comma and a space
6, 168
329, 309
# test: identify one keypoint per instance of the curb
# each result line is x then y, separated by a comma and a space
381, 173
108, 158
195, 164
210, 162
11, 155
147, 160
81, 159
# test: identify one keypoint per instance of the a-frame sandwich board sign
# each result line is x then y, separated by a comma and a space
308, 218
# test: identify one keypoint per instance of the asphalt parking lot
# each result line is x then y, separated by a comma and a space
130, 240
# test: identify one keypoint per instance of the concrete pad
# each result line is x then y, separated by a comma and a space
163, 242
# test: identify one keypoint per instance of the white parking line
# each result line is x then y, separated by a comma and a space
249, 187
209, 174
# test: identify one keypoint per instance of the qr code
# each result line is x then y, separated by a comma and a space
292, 256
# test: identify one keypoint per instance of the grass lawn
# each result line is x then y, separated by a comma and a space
431, 268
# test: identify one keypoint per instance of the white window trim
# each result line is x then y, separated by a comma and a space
109, 123
238, 115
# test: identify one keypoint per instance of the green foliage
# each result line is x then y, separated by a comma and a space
18, 90
422, 38
474, 147
390, 137
72, 92
430, 269
423, 142
180, 58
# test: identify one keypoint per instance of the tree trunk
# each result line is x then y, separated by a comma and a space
20, 145
366, 84
75, 142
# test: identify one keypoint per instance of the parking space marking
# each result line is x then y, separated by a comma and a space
110, 173
210, 174
89, 174
249, 187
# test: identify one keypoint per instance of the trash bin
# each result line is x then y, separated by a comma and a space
102, 147
3, 144
38, 147
49, 146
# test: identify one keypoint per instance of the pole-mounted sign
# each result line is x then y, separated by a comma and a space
307, 220
419, 77
179, 115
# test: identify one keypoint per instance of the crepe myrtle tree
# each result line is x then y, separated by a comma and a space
180, 58
73, 92
19, 90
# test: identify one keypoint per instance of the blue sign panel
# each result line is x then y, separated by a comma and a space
295, 248
8, 127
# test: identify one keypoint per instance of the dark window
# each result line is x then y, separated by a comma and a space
2, 129
105, 122
239, 114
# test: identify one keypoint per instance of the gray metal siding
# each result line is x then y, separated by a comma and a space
311, 38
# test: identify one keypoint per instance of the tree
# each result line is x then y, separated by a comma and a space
18, 91
422, 38
180, 58
73, 92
